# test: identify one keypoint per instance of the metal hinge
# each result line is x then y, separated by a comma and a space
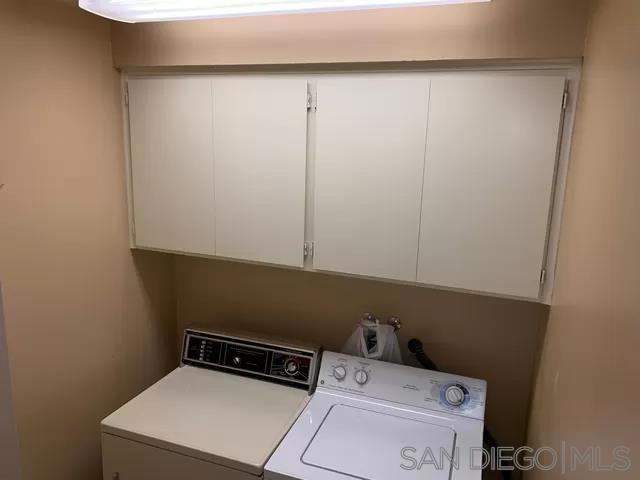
565, 99
308, 249
543, 276
126, 94
311, 103
133, 231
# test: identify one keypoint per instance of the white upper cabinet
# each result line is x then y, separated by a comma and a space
490, 159
170, 123
444, 179
259, 142
370, 141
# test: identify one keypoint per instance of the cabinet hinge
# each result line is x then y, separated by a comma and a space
543, 276
126, 94
308, 249
312, 104
565, 99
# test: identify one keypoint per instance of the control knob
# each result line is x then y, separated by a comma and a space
339, 372
291, 366
361, 376
454, 395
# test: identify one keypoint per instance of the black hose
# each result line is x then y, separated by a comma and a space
416, 348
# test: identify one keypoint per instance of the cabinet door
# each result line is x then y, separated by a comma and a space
490, 161
368, 174
170, 122
260, 135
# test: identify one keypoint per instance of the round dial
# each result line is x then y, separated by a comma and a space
291, 366
236, 361
339, 372
361, 377
454, 395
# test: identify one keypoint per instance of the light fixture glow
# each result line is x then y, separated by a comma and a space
133, 11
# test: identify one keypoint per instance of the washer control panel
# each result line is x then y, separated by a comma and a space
249, 356
402, 384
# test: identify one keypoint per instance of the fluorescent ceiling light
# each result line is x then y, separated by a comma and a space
133, 11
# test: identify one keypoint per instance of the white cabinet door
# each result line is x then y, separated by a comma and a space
260, 138
368, 173
491, 154
170, 122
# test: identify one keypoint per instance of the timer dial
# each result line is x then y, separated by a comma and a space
291, 366
454, 395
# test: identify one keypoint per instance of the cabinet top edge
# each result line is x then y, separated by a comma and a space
364, 67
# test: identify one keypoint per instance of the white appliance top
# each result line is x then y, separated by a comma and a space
362, 432
210, 415
373, 420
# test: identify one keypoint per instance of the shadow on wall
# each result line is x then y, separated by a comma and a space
478, 336
9, 456
160, 301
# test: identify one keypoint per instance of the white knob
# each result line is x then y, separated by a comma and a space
361, 377
339, 372
454, 396
291, 367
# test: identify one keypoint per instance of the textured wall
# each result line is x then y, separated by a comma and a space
587, 387
88, 324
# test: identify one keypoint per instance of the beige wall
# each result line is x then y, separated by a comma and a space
88, 324
502, 29
9, 454
483, 337
588, 386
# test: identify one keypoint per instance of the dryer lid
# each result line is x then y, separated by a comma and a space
370, 445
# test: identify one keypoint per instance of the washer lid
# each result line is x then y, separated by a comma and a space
368, 445
217, 417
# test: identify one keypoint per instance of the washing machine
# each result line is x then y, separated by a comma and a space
220, 415
373, 420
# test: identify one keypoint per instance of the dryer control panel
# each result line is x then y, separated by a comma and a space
241, 354
403, 385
